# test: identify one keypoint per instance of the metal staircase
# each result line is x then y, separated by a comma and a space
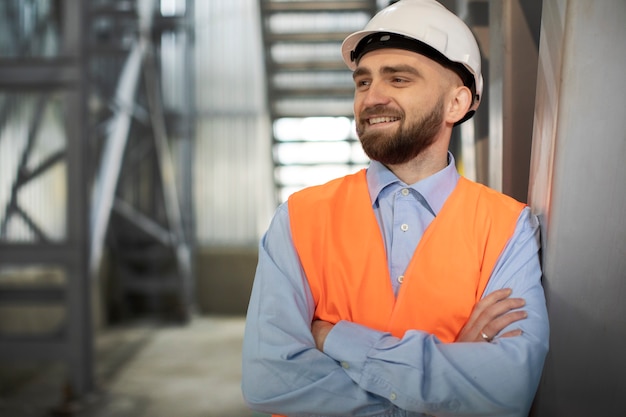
306, 76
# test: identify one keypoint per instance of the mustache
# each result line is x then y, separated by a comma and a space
378, 110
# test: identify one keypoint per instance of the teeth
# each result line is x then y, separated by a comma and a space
376, 120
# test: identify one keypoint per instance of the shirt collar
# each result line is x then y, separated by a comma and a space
435, 189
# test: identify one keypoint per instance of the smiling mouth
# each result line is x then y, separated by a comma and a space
386, 119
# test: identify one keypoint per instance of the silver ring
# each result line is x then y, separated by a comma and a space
485, 337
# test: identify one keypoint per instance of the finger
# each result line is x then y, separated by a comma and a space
485, 303
492, 299
495, 304
489, 308
498, 295
512, 333
497, 325
496, 314
502, 307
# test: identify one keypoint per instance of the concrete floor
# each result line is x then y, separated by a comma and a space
142, 371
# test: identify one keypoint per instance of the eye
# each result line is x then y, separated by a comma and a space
361, 83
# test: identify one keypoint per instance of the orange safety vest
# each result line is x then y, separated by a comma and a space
338, 241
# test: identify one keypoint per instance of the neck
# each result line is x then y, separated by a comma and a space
429, 162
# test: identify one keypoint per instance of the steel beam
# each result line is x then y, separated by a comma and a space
115, 146
63, 72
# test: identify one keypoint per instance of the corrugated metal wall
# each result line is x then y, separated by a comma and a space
233, 187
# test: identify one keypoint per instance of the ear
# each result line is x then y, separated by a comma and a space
458, 104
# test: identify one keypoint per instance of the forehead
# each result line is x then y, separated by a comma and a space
385, 57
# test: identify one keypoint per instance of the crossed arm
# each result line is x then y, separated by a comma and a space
490, 316
295, 367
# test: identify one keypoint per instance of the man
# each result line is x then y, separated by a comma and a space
398, 291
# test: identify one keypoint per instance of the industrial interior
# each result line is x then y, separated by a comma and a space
145, 144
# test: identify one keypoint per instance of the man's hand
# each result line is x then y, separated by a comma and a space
491, 315
320, 329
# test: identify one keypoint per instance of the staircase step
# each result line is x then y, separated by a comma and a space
315, 6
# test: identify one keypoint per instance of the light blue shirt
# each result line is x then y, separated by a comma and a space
365, 372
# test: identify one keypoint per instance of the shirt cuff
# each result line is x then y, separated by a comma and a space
349, 344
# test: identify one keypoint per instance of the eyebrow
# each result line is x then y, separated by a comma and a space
388, 70
360, 71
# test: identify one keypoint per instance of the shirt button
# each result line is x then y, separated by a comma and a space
405, 192
393, 396
345, 365
404, 227
401, 279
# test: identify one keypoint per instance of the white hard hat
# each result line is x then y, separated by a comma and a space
440, 35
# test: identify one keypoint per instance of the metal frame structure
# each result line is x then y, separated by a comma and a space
66, 75
135, 186
119, 174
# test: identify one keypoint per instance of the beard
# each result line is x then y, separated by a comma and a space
406, 142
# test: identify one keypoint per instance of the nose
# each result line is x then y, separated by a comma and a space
376, 94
